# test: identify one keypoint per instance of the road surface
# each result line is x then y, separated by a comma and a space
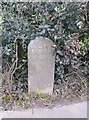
77, 110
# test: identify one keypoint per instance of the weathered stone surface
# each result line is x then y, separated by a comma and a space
41, 64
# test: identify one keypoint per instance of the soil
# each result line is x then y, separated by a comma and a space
17, 101
53, 101
39, 100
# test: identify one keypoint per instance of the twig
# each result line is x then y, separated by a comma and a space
73, 73
21, 74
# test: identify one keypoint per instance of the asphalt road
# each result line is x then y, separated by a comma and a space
78, 110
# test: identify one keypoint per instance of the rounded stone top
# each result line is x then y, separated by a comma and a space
40, 42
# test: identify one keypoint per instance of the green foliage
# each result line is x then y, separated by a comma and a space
6, 99
86, 42
42, 97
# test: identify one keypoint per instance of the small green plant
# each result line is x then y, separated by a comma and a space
42, 97
6, 99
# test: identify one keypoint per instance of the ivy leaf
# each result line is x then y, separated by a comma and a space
56, 9
1, 20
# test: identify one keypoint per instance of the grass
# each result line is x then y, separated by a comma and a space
42, 97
